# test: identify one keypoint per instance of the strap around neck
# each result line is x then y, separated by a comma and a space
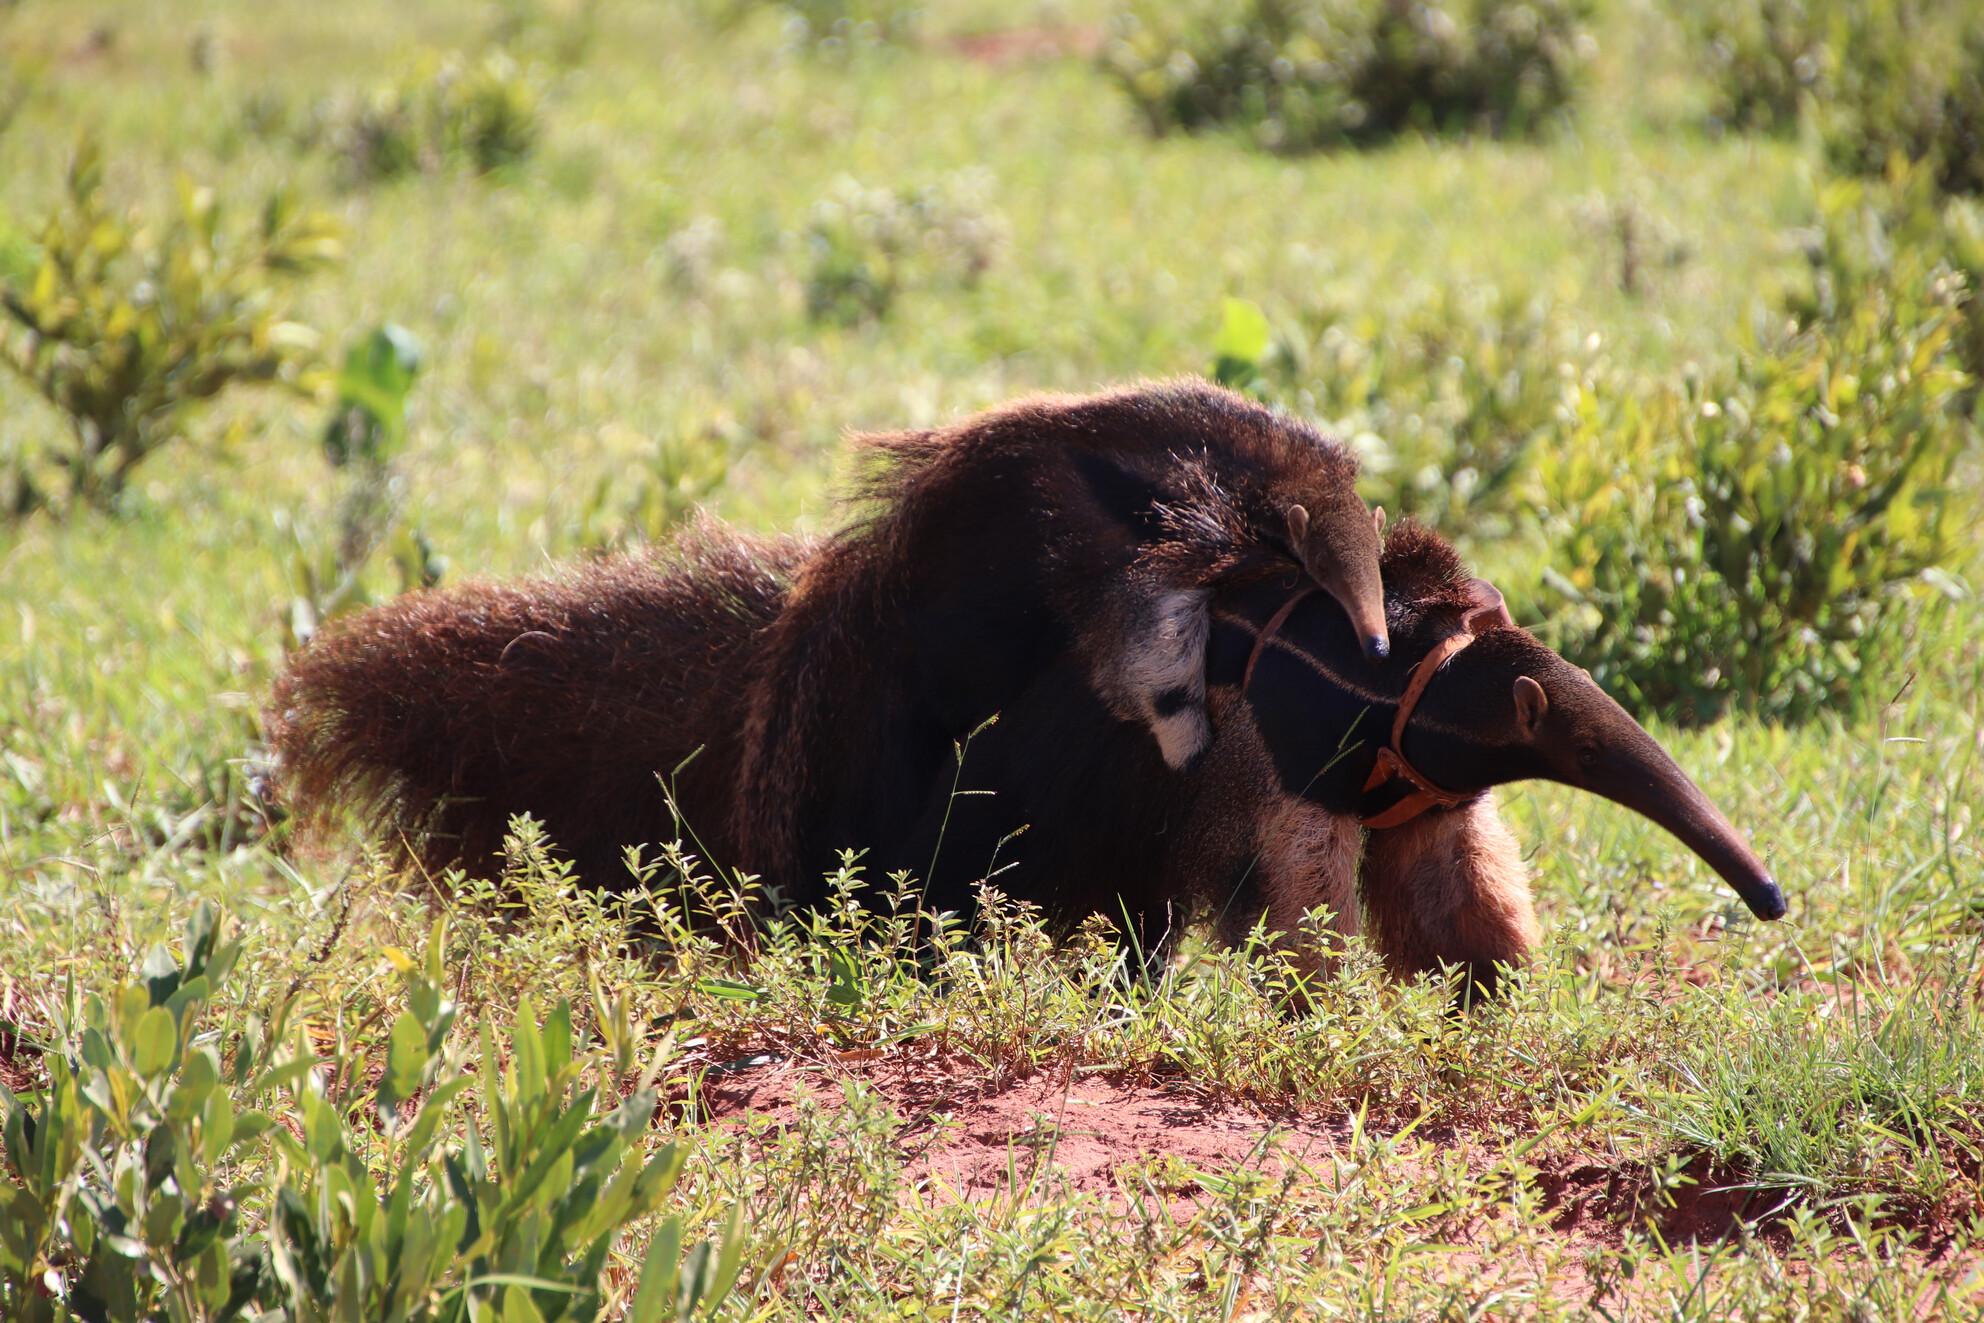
1391, 762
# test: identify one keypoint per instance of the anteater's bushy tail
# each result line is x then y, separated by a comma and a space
442, 714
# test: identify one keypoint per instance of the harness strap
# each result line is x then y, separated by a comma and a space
1268, 631
1391, 763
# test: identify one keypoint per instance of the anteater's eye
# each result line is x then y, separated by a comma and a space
1587, 755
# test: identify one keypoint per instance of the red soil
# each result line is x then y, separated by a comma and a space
966, 1136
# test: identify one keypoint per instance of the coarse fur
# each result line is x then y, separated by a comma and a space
835, 695
1089, 531
1157, 492
440, 715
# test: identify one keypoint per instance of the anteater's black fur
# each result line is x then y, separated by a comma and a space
827, 684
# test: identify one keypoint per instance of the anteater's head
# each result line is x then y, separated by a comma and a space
1503, 708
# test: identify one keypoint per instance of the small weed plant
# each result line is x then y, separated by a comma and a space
126, 326
363, 440
865, 246
186, 1158
480, 113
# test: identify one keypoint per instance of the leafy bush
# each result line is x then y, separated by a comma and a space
123, 327
1306, 74
482, 113
1885, 78
1771, 556
179, 1164
838, 26
1765, 57
1874, 233
1910, 83
865, 245
1443, 399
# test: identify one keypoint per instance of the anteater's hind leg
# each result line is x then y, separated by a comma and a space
1449, 887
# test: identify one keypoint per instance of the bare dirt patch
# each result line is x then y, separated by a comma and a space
1097, 1135
966, 1137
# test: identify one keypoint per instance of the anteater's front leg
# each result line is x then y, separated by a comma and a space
1449, 887
1303, 858
1255, 851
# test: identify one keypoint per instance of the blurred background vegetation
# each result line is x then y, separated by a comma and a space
1664, 309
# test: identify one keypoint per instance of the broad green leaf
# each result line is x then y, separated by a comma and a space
655, 1297
730, 989
153, 1043
1242, 342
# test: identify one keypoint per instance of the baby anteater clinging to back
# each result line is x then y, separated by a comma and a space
1340, 552
1162, 493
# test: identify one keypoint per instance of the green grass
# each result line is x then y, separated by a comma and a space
1830, 1061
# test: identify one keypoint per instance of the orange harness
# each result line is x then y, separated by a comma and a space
1391, 763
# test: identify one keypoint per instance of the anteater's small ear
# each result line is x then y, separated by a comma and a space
1487, 610
1378, 518
1531, 704
1298, 527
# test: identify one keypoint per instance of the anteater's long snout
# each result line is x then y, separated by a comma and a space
1641, 776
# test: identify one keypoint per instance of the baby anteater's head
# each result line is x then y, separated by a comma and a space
1337, 543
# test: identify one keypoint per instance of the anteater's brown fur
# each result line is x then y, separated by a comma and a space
1046, 564
1002, 566
1039, 532
825, 684
442, 714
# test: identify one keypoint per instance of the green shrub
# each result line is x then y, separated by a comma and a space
1306, 74
125, 326
865, 245
1883, 78
1443, 399
480, 113
833, 26
1873, 233
1765, 57
1771, 554
188, 1163
1909, 82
